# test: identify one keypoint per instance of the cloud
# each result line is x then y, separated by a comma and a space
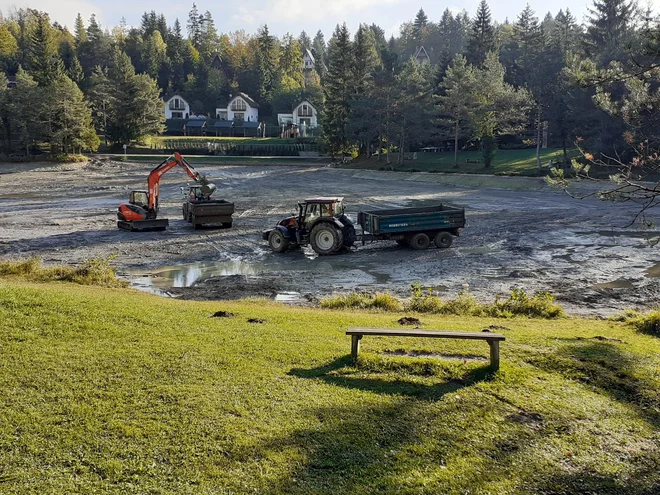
62, 11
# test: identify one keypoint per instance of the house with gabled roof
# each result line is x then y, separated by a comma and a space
240, 108
422, 56
176, 107
303, 117
308, 60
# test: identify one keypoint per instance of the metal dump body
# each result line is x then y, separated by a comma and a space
407, 220
209, 212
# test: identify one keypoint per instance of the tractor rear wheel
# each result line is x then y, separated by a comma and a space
420, 242
277, 241
326, 239
443, 239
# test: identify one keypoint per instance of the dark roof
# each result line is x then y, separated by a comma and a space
223, 123
304, 100
196, 123
247, 99
169, 97
175, 125
247, 125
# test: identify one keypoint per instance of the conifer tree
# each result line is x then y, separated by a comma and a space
456, 101
482, 35
305, 41
337, 89
609, 29
45, 64
79, 30
194, 26
420, 26
267, 62
319, 51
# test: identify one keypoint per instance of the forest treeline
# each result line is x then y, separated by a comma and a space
486, 84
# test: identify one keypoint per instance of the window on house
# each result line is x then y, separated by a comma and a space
177, 115
305, 110
239, 116
238, 105
177, 104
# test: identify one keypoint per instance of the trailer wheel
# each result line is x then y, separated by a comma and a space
193, 220
277, 241
443, 239
326, 239
420, 242
185, 212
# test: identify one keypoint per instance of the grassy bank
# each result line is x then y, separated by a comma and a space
115, 391
506, 162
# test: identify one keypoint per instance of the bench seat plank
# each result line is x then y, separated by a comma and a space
392, 332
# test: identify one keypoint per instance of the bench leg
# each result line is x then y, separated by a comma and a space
355, 345
494, 354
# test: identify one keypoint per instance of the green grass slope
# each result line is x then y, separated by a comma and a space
506, 162
114, 391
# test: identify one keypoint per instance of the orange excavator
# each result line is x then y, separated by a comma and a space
142, 208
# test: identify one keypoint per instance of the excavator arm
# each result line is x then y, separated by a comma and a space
155, 175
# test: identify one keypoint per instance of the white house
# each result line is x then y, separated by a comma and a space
422, 56
176, 108
303, 117
308, 60
240, 107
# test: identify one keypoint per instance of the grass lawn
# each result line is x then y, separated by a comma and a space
115, 391
233, 160
506, 162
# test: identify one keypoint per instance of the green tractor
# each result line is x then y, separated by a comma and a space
320, 222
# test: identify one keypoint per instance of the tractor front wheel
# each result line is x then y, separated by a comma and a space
277, 241
349, 236
326, 239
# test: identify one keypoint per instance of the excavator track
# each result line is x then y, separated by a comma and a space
143, 225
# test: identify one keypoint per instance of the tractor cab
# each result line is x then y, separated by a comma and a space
310, 210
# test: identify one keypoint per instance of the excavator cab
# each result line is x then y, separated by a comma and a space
139, 198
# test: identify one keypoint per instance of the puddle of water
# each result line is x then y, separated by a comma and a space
621, 283
654, 271
188, 275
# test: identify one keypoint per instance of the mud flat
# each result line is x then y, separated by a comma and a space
534, 238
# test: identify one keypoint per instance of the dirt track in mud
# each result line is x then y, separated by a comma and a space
535, 240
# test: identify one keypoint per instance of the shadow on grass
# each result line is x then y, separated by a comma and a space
603, 366
394, 446
340, 372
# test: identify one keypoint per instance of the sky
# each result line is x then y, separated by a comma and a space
292, 16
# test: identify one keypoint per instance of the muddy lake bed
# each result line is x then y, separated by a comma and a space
538, 240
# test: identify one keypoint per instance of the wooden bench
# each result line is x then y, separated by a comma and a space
493, 339
472, 160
